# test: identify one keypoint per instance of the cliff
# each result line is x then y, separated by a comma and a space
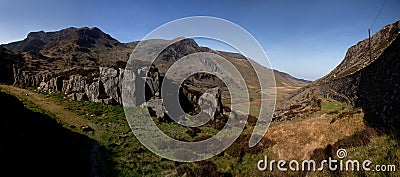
358, 56
372, 85
375, 88
104, 85
7, 60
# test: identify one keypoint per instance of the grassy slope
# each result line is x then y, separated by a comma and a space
35, 144
300, 139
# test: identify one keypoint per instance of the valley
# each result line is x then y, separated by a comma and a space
72, 80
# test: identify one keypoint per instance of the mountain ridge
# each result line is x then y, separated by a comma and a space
357, 56
91, 47
361, 81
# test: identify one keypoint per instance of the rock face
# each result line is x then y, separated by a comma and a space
373, 85
100, 85
104, 85
210, 102
375, 88
298, 110
358, 56
7, 60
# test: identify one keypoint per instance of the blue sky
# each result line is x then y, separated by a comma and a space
306, 39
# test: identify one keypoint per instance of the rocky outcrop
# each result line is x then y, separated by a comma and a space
189, 97
372, 85
28, 78
358, 56
104, 85
210, 102
207, 101
376, 88
83, 84
298, 110
7, 60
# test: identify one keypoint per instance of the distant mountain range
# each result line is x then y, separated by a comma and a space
370, 82
91, 47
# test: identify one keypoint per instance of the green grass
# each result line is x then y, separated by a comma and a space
381, 149
124, 155
129, 158
330, 105
175, 130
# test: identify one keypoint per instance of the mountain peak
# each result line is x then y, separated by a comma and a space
84, 37
72, 46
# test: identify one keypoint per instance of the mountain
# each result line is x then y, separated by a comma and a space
70, 37
285, 79
84, 47
371, 83
358, 56
8, 59
90, 47
188, 46
242, 63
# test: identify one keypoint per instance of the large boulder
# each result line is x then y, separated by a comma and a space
210, 102
110, 78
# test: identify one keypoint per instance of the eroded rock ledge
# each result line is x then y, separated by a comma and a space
104, 85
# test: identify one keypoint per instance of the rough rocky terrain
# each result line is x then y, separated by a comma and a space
90, 47
364, 82
86, 64
318, 126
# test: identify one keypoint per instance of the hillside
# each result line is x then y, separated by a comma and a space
87, 64
7, 60
84, 47
35, 144
90, 47
360, 82
74, 126
358, 56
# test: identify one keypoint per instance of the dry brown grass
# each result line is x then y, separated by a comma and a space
298, 139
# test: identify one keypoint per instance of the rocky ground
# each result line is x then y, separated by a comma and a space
354, 107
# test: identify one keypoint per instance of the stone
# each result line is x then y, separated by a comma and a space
210, 102
156, 108
111, 82
81, 97
106, 85
129, 88
92, 91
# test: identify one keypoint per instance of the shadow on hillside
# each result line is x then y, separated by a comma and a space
378, 91
33, 144
376, 122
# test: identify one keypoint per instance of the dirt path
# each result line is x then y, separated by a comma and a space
66, 116
48, 104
